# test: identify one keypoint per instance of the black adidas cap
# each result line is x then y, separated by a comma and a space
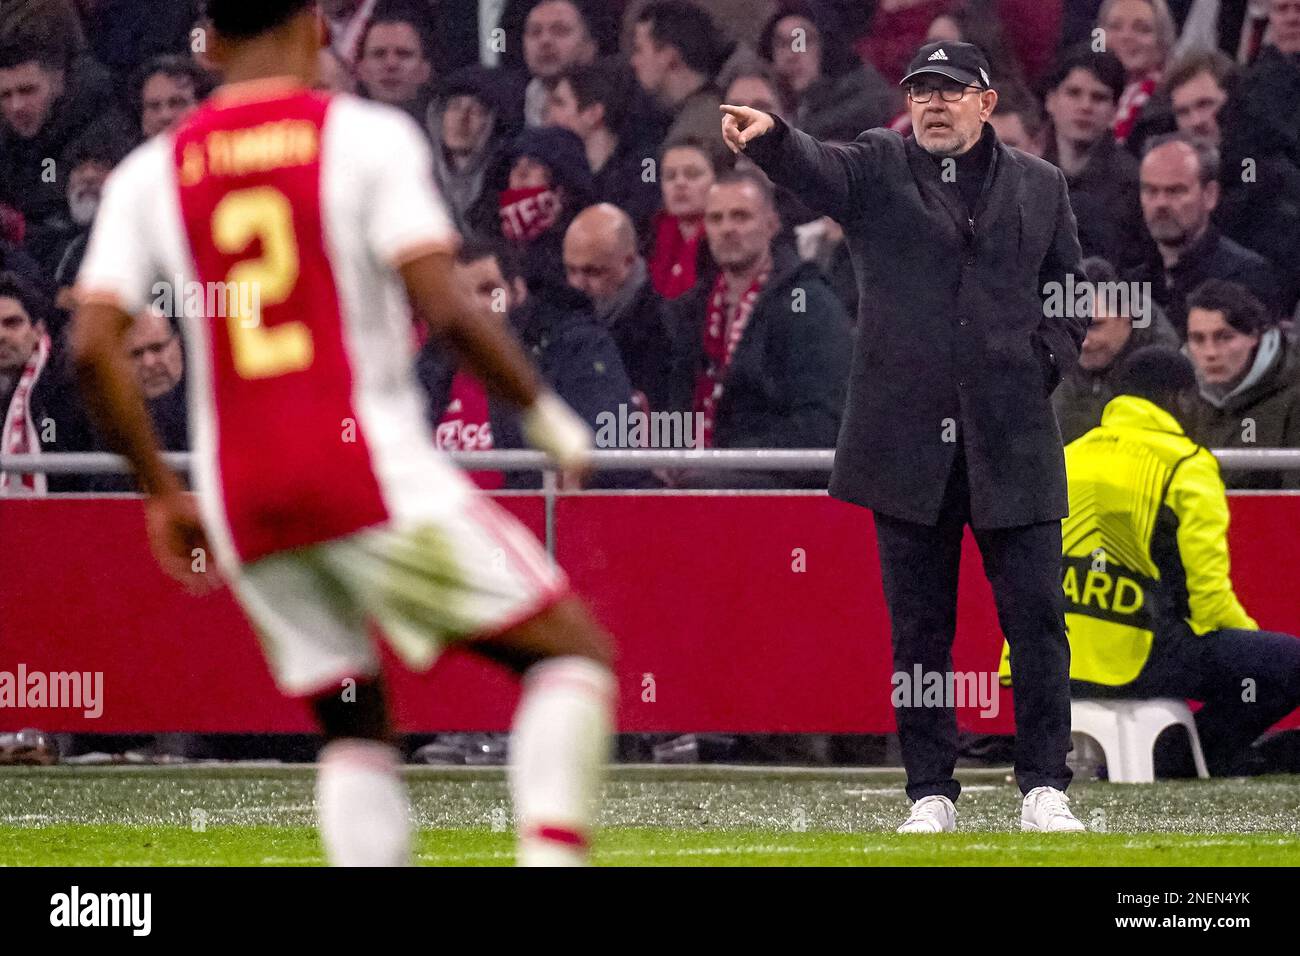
963, 62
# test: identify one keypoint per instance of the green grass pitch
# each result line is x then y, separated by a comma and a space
223, 815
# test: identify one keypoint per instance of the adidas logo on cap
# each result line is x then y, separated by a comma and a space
937, 55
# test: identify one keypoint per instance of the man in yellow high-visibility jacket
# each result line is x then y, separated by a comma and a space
1150, 608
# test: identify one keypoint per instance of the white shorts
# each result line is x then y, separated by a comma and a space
475, 573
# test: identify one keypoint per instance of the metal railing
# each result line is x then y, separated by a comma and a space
747, 459
602, 459
741, 459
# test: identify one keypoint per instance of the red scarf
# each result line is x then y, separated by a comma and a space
672, 266
18, 436
1130, 105
723, 330
527, 213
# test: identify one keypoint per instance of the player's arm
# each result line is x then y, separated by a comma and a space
407, 226
118, 267
495, 357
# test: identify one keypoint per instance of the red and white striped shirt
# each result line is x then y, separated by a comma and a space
298, 206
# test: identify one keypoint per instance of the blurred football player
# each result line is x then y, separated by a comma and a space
320, 492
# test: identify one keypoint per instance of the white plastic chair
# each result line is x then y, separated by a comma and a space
1127, 730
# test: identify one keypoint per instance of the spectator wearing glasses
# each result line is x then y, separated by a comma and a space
949, 419
157, 356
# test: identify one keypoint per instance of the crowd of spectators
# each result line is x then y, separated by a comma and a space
577, 146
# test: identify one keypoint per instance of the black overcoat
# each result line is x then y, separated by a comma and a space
955, 340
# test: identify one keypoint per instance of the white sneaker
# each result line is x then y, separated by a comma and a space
933, 814
1047, 809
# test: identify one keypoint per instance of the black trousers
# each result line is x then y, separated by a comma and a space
919, 565
1248, 681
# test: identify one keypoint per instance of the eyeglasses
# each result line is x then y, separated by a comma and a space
922, 93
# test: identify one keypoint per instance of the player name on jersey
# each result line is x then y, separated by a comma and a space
259, 149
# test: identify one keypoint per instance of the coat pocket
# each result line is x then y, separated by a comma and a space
1046, 362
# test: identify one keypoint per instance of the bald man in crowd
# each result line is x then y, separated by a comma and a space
601, 260
1180, 183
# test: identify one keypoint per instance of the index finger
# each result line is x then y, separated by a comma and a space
736, 111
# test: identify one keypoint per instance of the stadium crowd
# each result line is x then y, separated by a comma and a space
577, 145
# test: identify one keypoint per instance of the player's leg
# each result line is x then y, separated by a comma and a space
316, 643
560, 738
478, 577
361, 799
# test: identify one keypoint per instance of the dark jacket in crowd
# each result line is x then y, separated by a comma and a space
462, 188
561, 151
125, 33
1261, 132
839, 108
1104, 197
1213, 256
639, 325
1262, 125
786, 382
621, 182
696, 117
1156, 118
952, 329
575, 356
170, 416
25, 182
16, 260
1083, 393
1262, 411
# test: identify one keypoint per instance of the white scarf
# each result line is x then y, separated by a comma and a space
19, 437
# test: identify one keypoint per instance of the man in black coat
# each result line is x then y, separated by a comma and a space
47, 100
1083, 95
1180, 189
958, 242
761, 346
601, 261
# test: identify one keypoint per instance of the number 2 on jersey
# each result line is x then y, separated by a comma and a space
253, 284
